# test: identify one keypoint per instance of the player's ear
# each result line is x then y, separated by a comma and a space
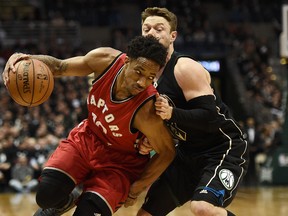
127, 59
173, 37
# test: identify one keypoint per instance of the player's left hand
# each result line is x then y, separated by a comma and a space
144, 146
130, 201
163, 109
10, 65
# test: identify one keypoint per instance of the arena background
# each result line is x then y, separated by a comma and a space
243, 44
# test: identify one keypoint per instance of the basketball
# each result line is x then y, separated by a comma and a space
32, 84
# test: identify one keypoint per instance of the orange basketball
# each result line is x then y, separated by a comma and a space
32, 84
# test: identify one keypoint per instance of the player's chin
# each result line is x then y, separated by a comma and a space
136, 91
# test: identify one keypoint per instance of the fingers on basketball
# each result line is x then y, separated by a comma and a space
31, 84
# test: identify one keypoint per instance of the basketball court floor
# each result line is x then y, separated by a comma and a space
261, 201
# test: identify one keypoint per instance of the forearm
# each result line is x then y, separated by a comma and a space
201, 114
156, 166
57, 67
53, 63
74, 66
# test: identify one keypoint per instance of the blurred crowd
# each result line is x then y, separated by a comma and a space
29, 135
35, 132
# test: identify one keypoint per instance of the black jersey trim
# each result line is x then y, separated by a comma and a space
132, 129
108, 68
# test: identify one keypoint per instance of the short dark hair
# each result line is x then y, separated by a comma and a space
148, 47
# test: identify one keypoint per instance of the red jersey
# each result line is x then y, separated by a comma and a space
110, 119
100, 152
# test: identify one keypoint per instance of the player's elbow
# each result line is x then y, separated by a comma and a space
167, 153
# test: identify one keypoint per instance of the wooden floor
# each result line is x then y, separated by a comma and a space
263, 201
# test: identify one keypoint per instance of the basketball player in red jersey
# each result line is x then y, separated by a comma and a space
100, 152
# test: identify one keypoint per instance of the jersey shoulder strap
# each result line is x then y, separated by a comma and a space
175, 56
172, 61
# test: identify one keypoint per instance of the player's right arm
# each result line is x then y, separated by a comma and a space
95, 61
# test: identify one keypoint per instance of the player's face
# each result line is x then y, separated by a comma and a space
139, 74
159, 27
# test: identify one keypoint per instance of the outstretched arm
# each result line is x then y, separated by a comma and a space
95, 61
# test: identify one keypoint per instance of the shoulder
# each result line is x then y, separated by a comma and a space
100, 58
147, 110
192, 77
186, 64
103, 52
187, 69
146, 115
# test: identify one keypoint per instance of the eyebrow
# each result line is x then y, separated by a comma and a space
138, 67
142, 69
157, 24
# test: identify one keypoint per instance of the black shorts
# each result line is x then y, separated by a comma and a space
208, 177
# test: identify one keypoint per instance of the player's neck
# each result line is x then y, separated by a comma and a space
159, 73
170, 52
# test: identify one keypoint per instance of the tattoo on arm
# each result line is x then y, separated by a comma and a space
57, 66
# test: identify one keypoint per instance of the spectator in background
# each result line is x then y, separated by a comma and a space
5, 163
22, 175
7, 155
251, 131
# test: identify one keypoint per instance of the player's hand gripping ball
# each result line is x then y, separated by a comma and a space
31, 84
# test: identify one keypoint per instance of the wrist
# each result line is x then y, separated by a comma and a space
171, 113
134, 191
130, 196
